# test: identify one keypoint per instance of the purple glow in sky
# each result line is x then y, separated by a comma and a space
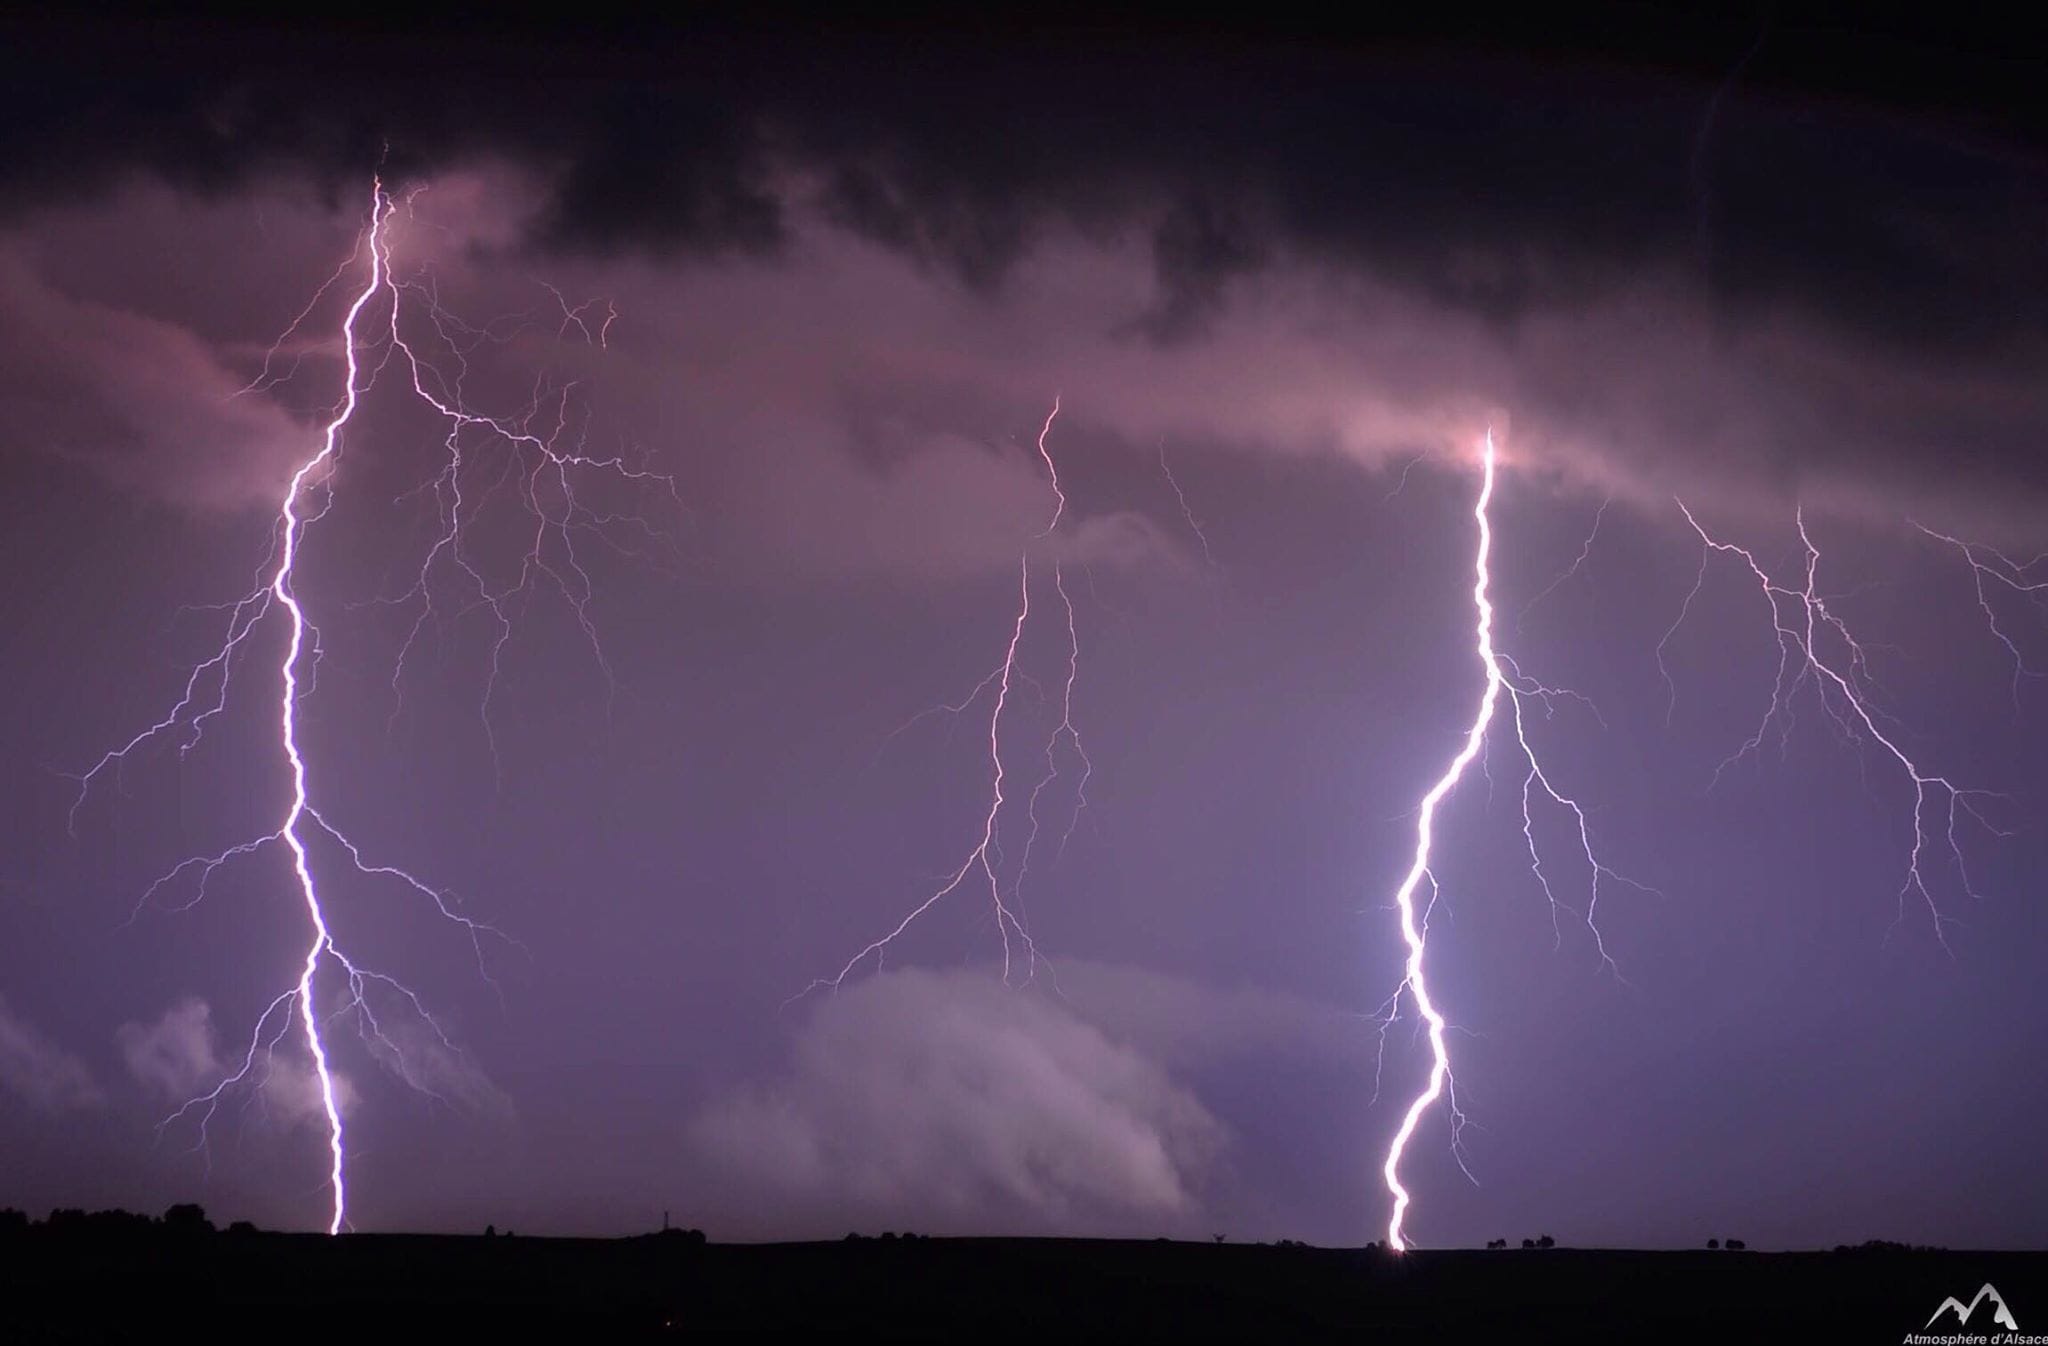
678, 555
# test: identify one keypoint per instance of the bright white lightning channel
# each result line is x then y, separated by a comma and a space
206, 687
1502, 677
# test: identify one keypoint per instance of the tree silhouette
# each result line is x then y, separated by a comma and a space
187, 1218
1714, 1244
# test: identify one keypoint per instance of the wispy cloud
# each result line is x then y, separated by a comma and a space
40, 1072
951, 1102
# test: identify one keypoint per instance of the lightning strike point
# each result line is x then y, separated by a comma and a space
543, 468
1412, 928
1502, 678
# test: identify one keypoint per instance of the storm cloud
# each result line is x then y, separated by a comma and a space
819, 290
1672, 272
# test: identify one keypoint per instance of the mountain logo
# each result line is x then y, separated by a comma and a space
2000, 1314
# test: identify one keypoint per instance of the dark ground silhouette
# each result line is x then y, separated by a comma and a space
117, 1276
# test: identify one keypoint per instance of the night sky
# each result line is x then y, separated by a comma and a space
815, 291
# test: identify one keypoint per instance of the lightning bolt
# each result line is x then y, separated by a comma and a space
984, 862
543, 475
1503, 679
1187, 511
1064, 731
1577, 566
1816, 648
540, 472
2013, 575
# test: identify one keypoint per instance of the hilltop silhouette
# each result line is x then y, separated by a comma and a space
118, 1275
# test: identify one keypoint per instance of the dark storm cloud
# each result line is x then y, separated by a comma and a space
1503, 189
850, 273
656, 162
1491, 182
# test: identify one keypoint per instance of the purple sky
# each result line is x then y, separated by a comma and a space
841, 323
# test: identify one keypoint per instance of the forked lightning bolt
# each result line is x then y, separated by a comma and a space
1187, 511
541, 473
2015, 576
984, 862
1817, 648
1502, 678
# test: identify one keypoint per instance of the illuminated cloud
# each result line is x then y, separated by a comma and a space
947, 1102
180, 1057
39, 1072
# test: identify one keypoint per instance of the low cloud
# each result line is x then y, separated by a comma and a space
143, 401
947, 1101
849, 408
179, 1057
842, 410
38, 1071
1188, 1026
430, 1064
